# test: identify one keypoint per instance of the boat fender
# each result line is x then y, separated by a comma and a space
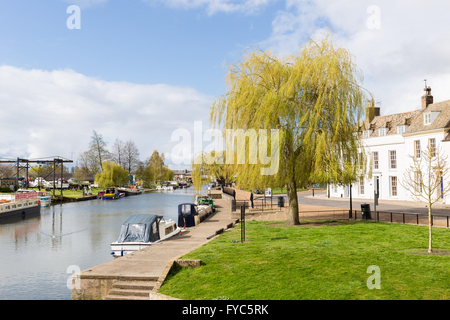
39, 202
121, 253
23, 214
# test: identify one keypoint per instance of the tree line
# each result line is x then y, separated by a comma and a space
113, 167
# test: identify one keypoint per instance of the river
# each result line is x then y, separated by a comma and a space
39, 254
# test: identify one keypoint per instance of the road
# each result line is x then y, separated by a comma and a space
320, 199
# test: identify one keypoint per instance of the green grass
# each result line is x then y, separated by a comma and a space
316, 262
72, 193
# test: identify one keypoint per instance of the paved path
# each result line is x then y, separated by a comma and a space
320, 198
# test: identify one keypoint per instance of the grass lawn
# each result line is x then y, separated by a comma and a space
317, 261
72, 193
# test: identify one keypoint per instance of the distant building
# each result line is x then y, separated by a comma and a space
390, 139
182, 175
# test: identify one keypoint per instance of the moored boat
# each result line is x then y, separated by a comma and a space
45, 199
19, 205
142, 230
191, 215
112, 193
131, 190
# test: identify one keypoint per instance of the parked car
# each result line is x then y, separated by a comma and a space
38, 182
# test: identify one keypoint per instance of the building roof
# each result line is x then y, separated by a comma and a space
441, 121
413, 119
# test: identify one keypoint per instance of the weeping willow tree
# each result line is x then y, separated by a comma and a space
302, 110
208, 166
113, 174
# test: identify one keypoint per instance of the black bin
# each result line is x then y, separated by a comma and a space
280, 202
365, 211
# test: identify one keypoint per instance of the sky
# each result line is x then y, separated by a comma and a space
141, 69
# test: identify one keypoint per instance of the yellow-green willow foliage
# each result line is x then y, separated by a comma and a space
314, 99
113, 174
209, 166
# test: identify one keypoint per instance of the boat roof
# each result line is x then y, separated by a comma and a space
141, 219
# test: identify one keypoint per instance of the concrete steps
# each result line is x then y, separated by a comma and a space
130, 290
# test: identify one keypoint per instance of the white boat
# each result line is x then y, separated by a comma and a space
142, 230
164, 188
45, 199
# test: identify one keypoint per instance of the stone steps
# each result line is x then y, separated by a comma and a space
130, 290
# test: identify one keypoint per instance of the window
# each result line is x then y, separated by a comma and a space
417, 149
401, 129
361, 186
381, 132
432, 146
375, 160
417, 182
393, 186
427, 118
366, 134
393, 159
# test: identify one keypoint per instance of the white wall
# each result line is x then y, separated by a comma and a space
404, 146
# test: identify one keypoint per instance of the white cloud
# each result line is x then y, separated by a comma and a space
53, 113
412, 43
215, 6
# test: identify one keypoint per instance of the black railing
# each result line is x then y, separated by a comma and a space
230, 191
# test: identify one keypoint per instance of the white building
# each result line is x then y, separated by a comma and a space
391, 140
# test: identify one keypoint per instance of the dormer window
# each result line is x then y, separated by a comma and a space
401, 129
366, 134
429, 117
382, 132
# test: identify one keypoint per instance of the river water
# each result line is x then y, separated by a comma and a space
39, 254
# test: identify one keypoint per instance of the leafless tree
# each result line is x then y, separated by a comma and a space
117, 153
425, 179
97, 150
130, 156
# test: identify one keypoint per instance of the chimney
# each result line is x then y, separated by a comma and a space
427, 98
372, 112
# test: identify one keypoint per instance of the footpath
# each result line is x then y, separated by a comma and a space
280, 214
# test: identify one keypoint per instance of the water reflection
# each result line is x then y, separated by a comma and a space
37, 251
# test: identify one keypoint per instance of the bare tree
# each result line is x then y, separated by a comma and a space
130, 156
425, 178
117, 153
97, 148
6, 171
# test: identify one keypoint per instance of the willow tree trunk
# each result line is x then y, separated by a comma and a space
293, 218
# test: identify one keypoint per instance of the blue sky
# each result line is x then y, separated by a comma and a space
140, 69
129, 40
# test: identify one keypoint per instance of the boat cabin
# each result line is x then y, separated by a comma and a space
140, 228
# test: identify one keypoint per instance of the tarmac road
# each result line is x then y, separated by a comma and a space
320, 199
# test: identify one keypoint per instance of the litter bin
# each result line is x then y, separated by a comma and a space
365, 211
280, 202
